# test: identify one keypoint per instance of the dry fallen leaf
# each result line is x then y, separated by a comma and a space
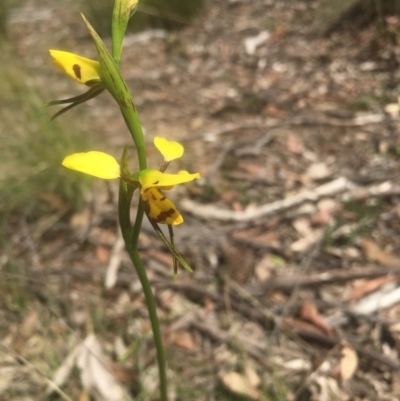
239, 261
385, 297
103, 254
294, 144
309, 236
321, 218
26, 330
253, 169
63, 372
55, 201
237, 206
396, 384
162, 257
185, 340
84, 396
81, 220
251, 43
271, 109
328, 389
368, 286
392, 109
374, 253
318, 171
251, 375
302, 226
95, 376
348, 362
310, 312
306, 242
239, 384
301, 325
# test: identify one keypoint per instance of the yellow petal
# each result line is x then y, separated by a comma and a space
155, 178
159, 208
83, 70
169, 149
98, 164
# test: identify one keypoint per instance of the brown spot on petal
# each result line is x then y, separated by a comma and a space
77, 71
147, 206
155, 183
165, 215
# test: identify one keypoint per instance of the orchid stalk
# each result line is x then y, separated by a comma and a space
149, 184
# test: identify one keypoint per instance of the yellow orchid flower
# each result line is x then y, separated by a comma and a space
158, 207
81, 69
169, 149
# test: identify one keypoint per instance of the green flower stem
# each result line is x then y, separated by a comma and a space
138, 223
119, 23
124, 203
135, 128
174, 259
115, 84
131, 242
151, 307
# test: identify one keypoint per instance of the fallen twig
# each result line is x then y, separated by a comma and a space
331, 341
115, 262
331, 188
315, 280
227, 147
314, 120
256, 350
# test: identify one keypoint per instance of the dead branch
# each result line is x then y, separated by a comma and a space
256, 350
212, 212
315, 280
330, 342
337, 186
313, 120
115, 262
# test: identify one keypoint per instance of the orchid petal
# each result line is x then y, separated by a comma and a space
81, 69
97, 164
154, 178
169, 149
